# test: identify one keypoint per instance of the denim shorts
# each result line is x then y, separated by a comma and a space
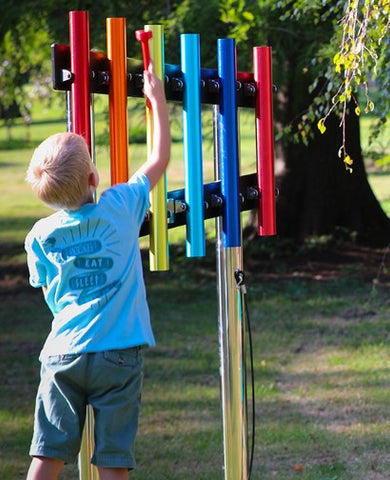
111, 382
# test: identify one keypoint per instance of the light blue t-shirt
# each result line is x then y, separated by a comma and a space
90, 262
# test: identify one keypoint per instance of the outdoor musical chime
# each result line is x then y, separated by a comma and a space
81, 72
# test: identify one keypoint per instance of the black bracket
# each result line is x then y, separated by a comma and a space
213, 202
174, 84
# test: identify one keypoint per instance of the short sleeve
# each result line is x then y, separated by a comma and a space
35, 263
128, 200
140, 186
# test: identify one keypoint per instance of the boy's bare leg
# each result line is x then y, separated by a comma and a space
43, 468
113, 473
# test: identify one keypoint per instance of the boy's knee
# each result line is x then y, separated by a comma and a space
110, 473
44, 468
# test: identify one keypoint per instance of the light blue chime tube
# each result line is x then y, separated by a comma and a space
229, 262
192, 145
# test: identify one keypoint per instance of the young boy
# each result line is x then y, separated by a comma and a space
86, 259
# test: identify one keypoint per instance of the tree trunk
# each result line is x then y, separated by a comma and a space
318, 196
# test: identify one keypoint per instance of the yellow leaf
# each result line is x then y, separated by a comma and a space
320, 125
348, 160
357, 110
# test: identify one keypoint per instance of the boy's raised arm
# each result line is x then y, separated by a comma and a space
158, 161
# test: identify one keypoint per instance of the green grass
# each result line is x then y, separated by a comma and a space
321, 377
320, 339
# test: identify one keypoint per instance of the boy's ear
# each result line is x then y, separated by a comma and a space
93, 179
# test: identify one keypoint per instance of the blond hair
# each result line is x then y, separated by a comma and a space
59, 171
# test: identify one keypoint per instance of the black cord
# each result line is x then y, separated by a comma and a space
248, 324
240, 280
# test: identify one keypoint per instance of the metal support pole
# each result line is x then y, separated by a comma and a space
232, 362
87, 471
229, 260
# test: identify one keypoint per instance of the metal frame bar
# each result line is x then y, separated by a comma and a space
62, 77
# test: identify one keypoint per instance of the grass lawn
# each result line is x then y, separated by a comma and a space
321, 366
320, 330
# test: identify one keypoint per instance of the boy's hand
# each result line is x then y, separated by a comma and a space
153, 87
158, 160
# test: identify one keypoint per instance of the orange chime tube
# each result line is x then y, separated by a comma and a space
119, 137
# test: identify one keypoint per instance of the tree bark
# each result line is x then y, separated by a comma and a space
318, 196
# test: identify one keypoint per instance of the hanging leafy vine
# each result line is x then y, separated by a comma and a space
364, 27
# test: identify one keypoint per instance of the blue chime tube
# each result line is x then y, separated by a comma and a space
192, 145
228, 142
229, 260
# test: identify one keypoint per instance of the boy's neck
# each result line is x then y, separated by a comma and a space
90, 197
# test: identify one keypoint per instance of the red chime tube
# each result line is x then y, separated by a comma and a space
262, 68
79, 66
